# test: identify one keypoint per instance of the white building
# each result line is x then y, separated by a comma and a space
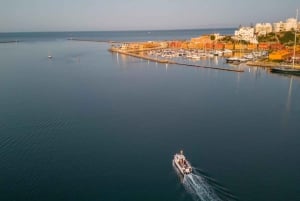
263, 28
289, 25
246, 34
279, 26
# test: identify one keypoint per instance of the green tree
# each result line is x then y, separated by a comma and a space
227, 39
287, 38
270, 37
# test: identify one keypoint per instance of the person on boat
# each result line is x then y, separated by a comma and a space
181, 161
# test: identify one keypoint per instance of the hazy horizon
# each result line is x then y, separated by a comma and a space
131, 15
54, 31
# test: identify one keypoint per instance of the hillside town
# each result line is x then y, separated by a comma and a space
275, 41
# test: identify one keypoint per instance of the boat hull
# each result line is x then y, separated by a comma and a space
181, 164
290, 71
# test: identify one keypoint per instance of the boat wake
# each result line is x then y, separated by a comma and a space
198, 183
203, 188
199, 188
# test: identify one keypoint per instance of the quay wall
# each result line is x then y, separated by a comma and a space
117, 50
139, 56
268, 64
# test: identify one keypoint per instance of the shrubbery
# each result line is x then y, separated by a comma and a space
270, 37
287, 38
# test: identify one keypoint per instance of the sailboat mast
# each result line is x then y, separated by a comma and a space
295, 41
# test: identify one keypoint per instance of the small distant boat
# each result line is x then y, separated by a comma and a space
249, 56
236, 60
180, 162
232, 59
227, 51
217, 53
196, 56
49, 55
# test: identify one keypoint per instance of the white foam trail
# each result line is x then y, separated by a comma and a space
199, 188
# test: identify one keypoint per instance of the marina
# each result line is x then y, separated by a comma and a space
189, 58
171, 54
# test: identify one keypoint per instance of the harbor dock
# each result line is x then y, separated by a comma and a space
265, 64
268, 64
166, 61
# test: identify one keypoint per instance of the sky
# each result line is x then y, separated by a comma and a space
100, 15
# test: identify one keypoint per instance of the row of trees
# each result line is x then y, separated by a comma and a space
285, 38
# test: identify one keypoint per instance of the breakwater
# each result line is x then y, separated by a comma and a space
262, 64
10, 41
92, 40
268, 64
165, 61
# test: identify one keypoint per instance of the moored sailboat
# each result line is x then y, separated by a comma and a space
286, 70
289, 70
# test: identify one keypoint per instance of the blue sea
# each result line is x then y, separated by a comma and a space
91, 125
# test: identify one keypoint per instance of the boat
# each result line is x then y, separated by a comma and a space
232, 59
196, 56
289, 70
183, 165
49, 55
218, 53
286, 70
249, 56
227, 52
236, 60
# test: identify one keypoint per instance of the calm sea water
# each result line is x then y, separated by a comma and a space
112, 35
91, 125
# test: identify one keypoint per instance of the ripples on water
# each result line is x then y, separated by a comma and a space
198, 188
29, 137
59, 118
202, 187
29, 154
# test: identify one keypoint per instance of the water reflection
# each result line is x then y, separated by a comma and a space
287, 110
216, 60
118, 62
288, 102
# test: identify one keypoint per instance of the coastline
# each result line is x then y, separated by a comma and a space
270, 64
10, 41
165, 61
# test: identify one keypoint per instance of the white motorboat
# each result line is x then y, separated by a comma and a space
49, 55
232, 59
180, 162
